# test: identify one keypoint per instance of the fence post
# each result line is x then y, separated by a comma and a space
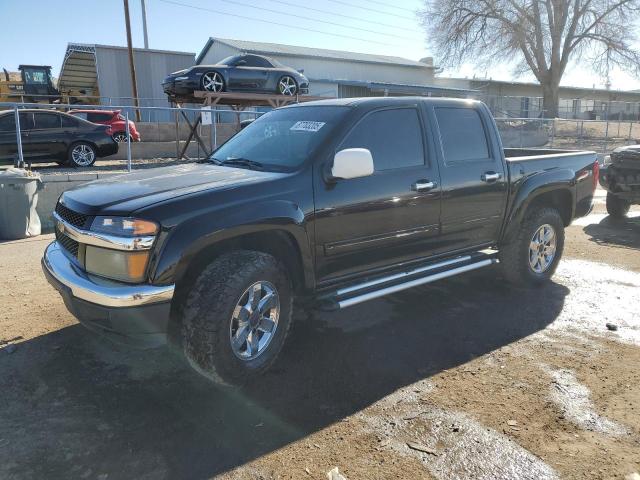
18, 138
128, 142
630, 129
553, 132
215, 128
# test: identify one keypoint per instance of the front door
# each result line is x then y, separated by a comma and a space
8, 141
474, 183
248, 74
388, 217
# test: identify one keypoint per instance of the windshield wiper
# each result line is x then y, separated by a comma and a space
243, 162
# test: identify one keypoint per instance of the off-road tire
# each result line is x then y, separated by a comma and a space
208, 312
616, 206
514, 256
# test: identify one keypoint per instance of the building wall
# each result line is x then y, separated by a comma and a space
328, 69
525, 100
152, 67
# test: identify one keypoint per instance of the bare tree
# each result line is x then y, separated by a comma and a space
541, 36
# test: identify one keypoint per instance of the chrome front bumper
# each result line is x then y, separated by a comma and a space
97, 290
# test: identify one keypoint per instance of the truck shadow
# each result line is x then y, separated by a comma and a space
623, 232
75, 405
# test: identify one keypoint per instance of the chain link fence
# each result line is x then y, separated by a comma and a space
165, 134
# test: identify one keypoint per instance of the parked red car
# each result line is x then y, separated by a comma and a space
114, 119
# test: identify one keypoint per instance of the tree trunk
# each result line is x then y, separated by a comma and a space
550, 93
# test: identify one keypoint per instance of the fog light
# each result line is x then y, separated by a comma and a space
116, 264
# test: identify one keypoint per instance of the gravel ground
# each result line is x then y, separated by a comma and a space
466, 378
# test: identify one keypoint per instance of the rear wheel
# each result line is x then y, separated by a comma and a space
237, 316
532, 257
120, 137
212, 82
287, 86
82, 154
617, 207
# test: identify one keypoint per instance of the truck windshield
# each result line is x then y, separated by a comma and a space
280, 140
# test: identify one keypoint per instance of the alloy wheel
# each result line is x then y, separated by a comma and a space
542, 249
120, 137
254, 321
212, 82
83, 155
287, 86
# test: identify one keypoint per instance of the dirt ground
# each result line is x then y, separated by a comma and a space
466, 378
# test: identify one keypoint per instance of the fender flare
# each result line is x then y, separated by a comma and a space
531, 188
187, 240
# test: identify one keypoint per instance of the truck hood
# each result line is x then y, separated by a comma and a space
123, 194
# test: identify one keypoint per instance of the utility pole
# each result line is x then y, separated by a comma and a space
132, 66
144, 25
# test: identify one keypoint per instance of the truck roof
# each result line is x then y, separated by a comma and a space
382, 101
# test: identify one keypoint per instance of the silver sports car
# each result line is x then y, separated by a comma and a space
239, 73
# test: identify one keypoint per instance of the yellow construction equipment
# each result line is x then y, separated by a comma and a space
32, 84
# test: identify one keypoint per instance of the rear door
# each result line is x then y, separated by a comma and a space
46, 139
385, 218
474, 184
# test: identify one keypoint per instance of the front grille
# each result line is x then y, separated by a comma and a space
74, 218
67, 243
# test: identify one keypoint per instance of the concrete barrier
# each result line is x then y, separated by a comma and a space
55, 184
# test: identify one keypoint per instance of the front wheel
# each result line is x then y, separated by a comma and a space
82, 154
212, 82
532, 257
237, 316
617, 207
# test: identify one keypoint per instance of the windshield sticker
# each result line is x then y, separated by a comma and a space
307, 126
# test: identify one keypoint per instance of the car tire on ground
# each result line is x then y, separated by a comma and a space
212, 82
616, 206
81, 154
236, 317
532, 257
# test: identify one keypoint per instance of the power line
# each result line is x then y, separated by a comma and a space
302, 17
412, 10
371, 9
327, 12
244, 17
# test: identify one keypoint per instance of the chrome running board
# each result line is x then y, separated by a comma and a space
379, 287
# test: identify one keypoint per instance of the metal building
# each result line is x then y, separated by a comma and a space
102, 72
337, 73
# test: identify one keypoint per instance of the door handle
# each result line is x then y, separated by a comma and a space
490, 177
423, 186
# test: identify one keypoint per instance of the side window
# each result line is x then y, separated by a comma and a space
82, 115
462, 133
26, 121
96, 117
254, 61
394, 138
46, 120
7, 123
68, 122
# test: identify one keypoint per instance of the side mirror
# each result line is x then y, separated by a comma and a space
352, 163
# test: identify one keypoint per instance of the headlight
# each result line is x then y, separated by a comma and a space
116, 264
124, 226
181, 78
120, 264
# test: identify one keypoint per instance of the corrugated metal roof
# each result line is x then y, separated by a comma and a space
294, 50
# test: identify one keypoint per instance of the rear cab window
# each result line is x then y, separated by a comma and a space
462, 135
393, 136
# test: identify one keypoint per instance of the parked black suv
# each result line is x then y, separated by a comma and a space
338, 201
49, 135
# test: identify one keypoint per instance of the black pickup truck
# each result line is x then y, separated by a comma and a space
334, 202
